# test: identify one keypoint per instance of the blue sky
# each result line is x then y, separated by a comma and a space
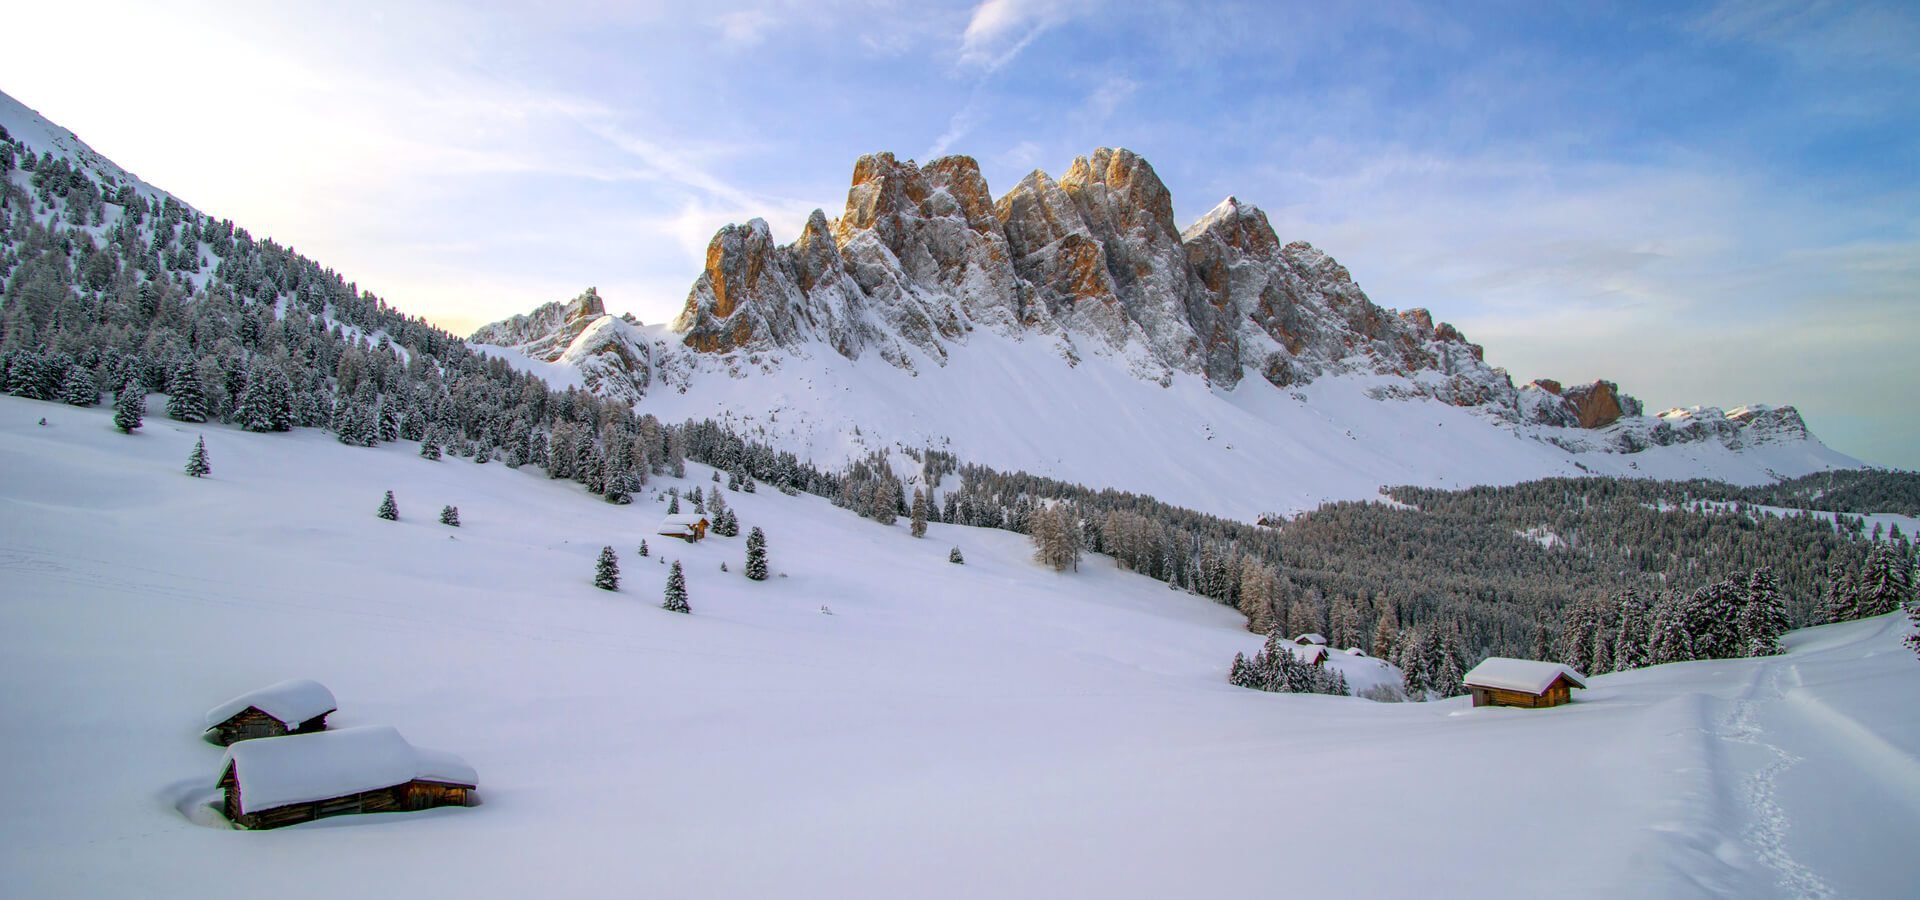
1708, 203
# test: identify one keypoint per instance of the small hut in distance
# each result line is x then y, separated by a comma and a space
1311, 638
298, 706
280, 781
1526, 683
690, 527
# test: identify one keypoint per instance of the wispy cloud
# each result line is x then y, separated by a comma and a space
1000, 29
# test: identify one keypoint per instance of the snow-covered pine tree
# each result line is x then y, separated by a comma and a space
1630, 637
1842, 602
886, 500
197, 460
389, 510
186, 396
78, 389
1764, 619
756, 555
917, 526
606, 572
1386, 633
430, 446
953, 556
1667, 635
643, 548
673, 501
129, 406
1885, 582
676, 593
450, 515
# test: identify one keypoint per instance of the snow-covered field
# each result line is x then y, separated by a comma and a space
986, 730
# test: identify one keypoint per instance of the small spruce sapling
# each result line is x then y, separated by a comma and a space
676, 596
389, 510
430, 448
756, 555
643, 548
450, 515
953, 556
606, 574
197, 460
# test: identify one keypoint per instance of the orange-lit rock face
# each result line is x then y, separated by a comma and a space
923, 254
1596, 404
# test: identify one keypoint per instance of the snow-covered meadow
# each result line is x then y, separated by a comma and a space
991, 729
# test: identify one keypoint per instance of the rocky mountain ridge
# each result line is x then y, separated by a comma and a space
923, 256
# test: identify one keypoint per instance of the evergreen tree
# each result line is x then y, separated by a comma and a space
1669, 641
186, 397
756, 555
886, 500
430, 447
643, 548
1843, 596
1886, 583
450, 515
1386, 634
918, 525
78, 389
1631, 638
606, 572
676, 595
953, 556
673, 502
197, 460
1764, 618
389, 510
129, 406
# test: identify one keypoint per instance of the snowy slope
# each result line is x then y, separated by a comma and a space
38, 132
1017, 404
993, 729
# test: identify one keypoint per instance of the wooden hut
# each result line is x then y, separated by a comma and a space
1311, 654
690, 527
1310, 637
1499, 681
298, 778
298, 706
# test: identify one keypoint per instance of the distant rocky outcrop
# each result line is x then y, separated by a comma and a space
613, 357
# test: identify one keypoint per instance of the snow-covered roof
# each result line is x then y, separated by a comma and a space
680, 523
1309, 653
303, 768
1311, 637
1530, 676
1355, 651
292, 702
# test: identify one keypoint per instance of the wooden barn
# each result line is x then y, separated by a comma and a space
690, 527
1499, 681
1310, 638
1311, 654
298, 706
279, 781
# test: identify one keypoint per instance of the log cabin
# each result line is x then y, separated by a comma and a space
1311, 654
1310, 637
298, 706
272, 782
1526, 683
691, 527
